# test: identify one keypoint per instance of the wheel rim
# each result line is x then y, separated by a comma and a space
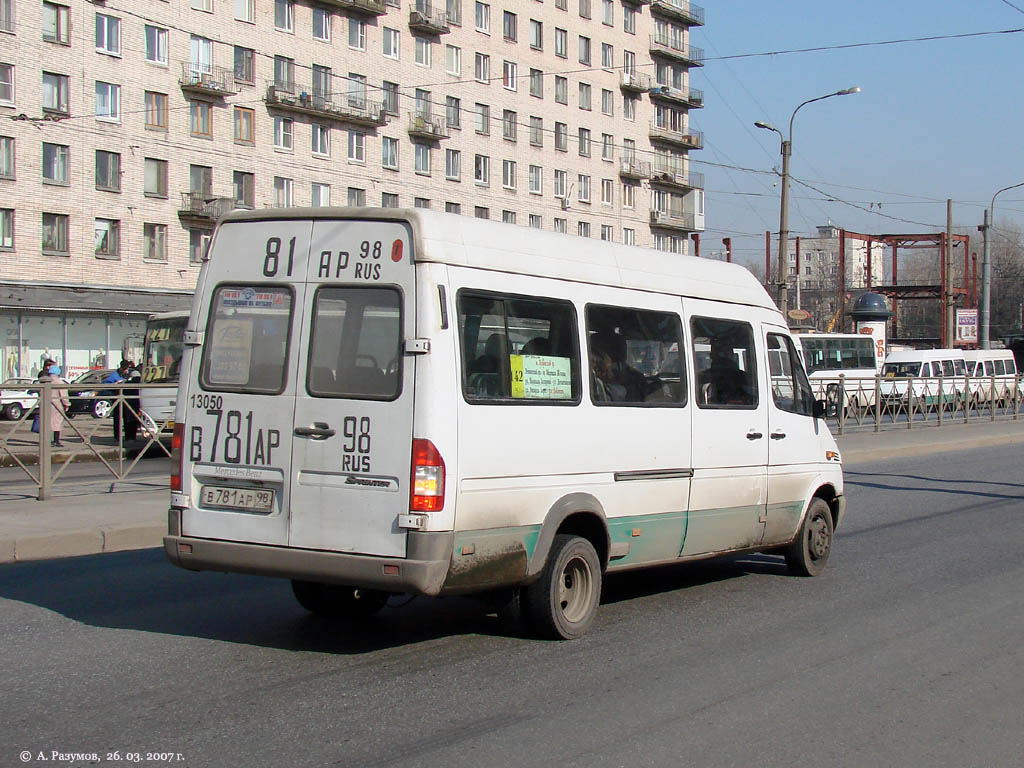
101, 409
819, 541
14, 411
575, 590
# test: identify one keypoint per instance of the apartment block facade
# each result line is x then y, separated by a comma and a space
128, 127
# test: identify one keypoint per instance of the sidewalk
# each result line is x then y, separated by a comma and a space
89, 519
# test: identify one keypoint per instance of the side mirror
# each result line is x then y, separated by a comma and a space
831, 404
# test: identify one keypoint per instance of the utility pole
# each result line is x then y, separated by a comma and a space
947, 289
787, 151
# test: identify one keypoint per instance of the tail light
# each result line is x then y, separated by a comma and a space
427, 492
176, 456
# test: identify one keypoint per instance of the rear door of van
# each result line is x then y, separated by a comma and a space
352, 438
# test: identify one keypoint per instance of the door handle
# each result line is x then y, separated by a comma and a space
754, 435
319, 431
777, 435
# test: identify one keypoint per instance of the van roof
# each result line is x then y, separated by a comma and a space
988, 354
509, 248
920, 355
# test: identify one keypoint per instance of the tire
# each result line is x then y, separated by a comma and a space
13, 411
808, 553
337, 602
562, 603
100, 409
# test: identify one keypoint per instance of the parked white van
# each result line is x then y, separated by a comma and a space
920, 371
379, 401
993, 374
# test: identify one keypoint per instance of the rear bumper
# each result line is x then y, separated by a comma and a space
422, 571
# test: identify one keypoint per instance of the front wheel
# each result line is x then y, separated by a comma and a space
100, 409
13, 411
562, 603
808, 554
338, 602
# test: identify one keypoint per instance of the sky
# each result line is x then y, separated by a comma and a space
934, 120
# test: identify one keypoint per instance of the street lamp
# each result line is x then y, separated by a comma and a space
986, 269
787, 151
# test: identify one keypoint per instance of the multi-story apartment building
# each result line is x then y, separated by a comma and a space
127, 127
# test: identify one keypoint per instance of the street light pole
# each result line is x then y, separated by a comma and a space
986, 270
787, 152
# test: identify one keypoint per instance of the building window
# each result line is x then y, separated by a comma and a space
628, 195
108, 34
453, 12
108, 101
6, 15
561, 43
390, 91
508, 26
584, 9
583, 229
200, 115
561, 137
245, 10
536, 131
283, 130
561, 89
584, 142
388, 200
421, 202
200, 180
7, 84
357, 146
560, 183
321, 24
107, 241
584, 50
390, 43
244, 121
629, 236
584, 96
284, 15
453, 60
607, 102
321, 143
483, 17
481, 212
154, 237
508, 125
453, 111
389, 153
55, 163
536, 35
155, 178
560, 225
482, 68
108, 171
536, 180
608, 12
283, 192
607, 146
537, 83
583, 188
422, 51
244, 65
55, 233
203, 5
7, 229
482, 169
483, 119
156, 110
629, 19
422, 159
607, 56
607, 191
356, 197
55, 91
508, 174
357, 34
243, 186
452, 164
536, 222
629, 107
509, 75
453, 208
320, 195
156, 45
56, 23
7, 157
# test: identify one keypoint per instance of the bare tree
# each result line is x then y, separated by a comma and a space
1007, 252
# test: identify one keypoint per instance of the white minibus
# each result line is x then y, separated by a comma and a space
161, 361
382, 401
919, 372
993, 374
827, 356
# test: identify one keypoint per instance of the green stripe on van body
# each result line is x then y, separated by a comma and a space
660, 537
491, 557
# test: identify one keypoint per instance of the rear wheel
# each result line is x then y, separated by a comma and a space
334, 601
100, 409
13, 411
808, 554
562, 603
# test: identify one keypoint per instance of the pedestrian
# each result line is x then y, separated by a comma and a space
132, 404
117, 377
59, 401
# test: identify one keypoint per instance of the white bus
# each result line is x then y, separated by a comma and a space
827, 356
161, 364
379, 401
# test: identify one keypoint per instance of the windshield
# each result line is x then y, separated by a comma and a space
892, 370
832, 354
161, 357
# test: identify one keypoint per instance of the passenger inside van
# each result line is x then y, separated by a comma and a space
724, 382
613, 378
485, 377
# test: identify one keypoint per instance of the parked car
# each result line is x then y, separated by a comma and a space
90, 397
15, 398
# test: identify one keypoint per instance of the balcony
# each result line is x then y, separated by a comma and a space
426, 127
211, 81
424, 18
687, 139
674, 175
683, 10
631, 168
690, 97
635, 81
365, 7
674, 220
663, 45
343, 107
203, 209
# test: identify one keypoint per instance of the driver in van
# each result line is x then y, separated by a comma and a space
724, 382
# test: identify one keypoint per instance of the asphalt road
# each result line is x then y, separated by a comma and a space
907, 652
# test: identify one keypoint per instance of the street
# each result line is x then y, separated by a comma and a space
906, 652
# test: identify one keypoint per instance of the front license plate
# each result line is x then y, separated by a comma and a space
247, 499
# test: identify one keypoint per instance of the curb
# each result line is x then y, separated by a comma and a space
32, 459
96, 541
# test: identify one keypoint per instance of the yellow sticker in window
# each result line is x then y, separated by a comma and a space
541, 377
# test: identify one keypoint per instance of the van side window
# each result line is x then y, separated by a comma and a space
355, 346
791, 391
246, 347
1011, 367
723, 354
947, 368
518, 349
989, 368
960, 367
635, 357
1000, 368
